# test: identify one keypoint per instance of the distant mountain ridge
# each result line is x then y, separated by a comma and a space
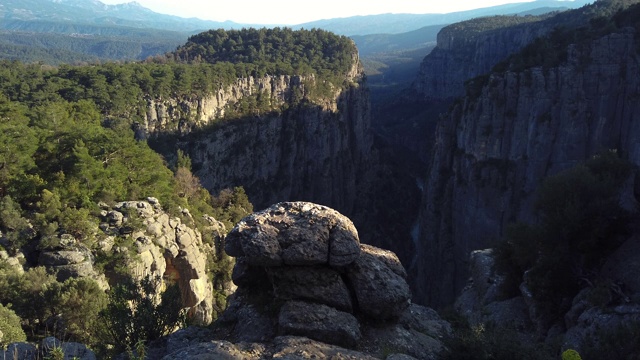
97, 13
400, 23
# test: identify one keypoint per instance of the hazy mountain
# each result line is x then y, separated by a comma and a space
400, 23
97, 13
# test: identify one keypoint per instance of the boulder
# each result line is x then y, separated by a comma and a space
215, 350
319, 322
381, 293
299, 348
301, 271
20, 351
295, 233
312, 283
71, 350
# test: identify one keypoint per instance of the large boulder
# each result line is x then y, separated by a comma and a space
319, 322
68, 258
380, 291
296, 233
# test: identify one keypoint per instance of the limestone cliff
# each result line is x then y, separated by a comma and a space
472, 48
495, 146
314, 144
465, 51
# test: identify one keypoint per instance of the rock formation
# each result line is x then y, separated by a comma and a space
166, 248
307, 287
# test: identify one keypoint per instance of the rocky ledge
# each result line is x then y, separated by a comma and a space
307, 288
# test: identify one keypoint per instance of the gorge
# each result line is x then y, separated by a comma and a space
517, 104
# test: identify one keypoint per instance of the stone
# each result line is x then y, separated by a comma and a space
212, 350
248, 276
301, 348
295, 233
319, 322
62, 257
71, 350
403, 340
317, 284
115, 217
20, 351
381, 293
426, 321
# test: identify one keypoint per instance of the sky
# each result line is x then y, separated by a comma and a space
290, 12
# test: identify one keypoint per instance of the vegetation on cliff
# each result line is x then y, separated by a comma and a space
580, 223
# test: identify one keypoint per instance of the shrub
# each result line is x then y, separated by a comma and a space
139, 312
580, 222
10, 327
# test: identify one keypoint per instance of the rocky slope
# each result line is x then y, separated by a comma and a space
497, 144
140, 240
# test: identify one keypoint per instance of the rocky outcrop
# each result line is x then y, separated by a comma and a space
482, 300
188, 114
271, 315
165, 248
68, 258
462, 54
494, 149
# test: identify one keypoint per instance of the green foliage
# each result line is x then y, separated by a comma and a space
276, 51
140, 311
70, 308
10, 327
16, 229
231, 205
580, 222
571, 354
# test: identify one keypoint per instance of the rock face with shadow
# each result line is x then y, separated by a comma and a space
307, 287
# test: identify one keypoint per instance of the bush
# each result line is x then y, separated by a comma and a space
10, 327
139, 312
580, 223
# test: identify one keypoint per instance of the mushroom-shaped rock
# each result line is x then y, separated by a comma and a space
319, 322
295, 233
381, 292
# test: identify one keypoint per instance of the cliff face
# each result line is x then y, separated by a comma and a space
493, 150
459, 57
186, 114
315, 149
